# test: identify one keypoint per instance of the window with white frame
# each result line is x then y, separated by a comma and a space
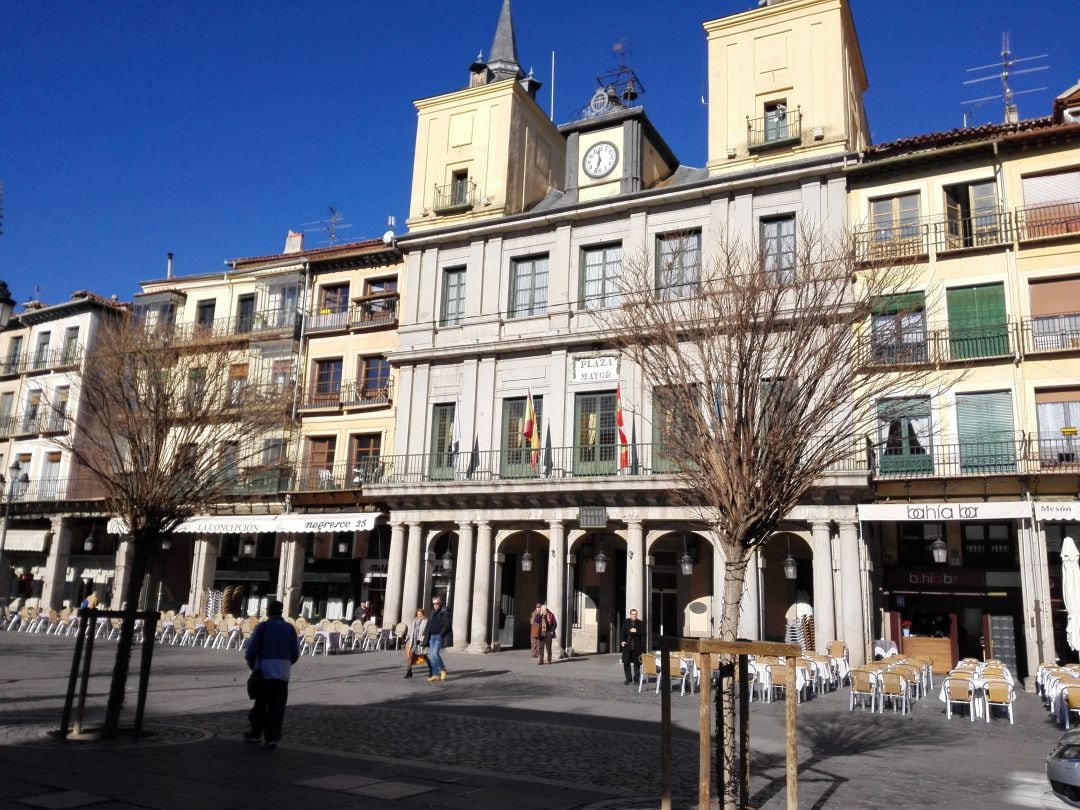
528, 286
678, 264
453, 297
778, 249
601, 269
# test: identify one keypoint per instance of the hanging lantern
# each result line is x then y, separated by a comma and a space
686, 564
249, 548
526, 558
600, 561
791, 567
448, 561
940, 551
343, 547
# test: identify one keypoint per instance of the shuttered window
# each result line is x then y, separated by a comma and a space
1058, 413
1055, 313
985, 430
977, 321
1051, 205
1051, 188
444, 449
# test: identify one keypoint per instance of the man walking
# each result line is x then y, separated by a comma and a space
438, 627
274, 648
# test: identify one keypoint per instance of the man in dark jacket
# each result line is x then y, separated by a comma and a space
273, 649
633, 645
438, 628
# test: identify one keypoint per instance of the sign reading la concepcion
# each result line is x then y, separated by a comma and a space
596, 369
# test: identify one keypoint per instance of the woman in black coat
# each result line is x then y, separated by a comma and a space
633, 645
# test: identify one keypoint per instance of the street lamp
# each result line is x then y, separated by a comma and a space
940, 551
16, 478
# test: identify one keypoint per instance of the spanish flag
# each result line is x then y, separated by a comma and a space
530, 431
624, 445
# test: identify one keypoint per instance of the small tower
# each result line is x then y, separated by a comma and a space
486, 150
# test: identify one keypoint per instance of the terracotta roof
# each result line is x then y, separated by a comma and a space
962, 135
344, 247
100, 299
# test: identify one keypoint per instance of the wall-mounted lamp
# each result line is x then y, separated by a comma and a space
343, 547
939, 549
249, 548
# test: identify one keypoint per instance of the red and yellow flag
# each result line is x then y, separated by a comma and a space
624, 445
530, 431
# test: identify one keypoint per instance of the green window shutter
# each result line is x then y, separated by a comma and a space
985, 430
442, 436
977, 323
901, 302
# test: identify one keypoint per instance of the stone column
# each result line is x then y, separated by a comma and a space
125, 550
394, 574
463, 586
556, 582
414, 566
750, 605
291, 574
635, 567
824, 606
481, 604
203, 568
56, 565
851, 611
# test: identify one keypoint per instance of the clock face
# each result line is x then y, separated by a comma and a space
600, 159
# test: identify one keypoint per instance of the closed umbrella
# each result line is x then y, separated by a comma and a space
1070, 589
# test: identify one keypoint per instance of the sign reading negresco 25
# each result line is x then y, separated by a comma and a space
596, 369
945, 511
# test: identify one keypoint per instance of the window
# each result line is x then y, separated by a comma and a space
230, 460
187, 461
528, 286
374, 377
898, 329
895, 226
32, 413
238, 380
196, 387
380, 309
70, 352
279, 306
453, 297
273, 452
977, 323
366, 449
281, 374
904, 436
520, 441
1055, 313
7, 404
50, 476
156, 316
670, 418
459, 188
333, 298
985, 428
596, 435
777, 398
914, 541
1058, 413
1051, 205
41, 350
14, 357
327, 381
776, 121
204, 313
971, 215
245, 313
778, 249
445, 442
601, 272
678, 264
58, 417
321, 451
989, 545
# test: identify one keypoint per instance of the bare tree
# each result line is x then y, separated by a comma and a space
760, 362
167, 427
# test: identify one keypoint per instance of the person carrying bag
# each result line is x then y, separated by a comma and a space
415, 651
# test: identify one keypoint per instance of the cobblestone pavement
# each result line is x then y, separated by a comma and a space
499, 733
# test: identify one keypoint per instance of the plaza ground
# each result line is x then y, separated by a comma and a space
500, 733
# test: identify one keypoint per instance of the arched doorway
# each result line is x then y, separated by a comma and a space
439, 571
784, 600
680, 586
597, 590
522, 583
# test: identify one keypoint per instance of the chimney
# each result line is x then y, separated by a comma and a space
294, 242
168, 266
1012, 114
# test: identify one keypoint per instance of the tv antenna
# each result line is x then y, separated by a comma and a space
330, 226
1006, 70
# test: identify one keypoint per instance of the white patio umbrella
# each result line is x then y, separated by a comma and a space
1070, 589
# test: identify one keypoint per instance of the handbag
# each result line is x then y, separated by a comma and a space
253, 681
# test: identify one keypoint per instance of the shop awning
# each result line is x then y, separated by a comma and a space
283, 524
25, 540
933, 512
1068, 511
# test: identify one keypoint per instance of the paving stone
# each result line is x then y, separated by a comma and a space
338, 782
390, 790
63, 799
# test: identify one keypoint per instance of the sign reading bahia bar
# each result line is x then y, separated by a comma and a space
993, 510
596, 369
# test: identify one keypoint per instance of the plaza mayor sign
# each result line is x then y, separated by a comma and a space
596, 369
994, 510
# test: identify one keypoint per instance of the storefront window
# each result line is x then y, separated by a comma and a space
913, 543
989, 545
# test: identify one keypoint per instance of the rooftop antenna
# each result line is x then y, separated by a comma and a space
1005, 71
330, 226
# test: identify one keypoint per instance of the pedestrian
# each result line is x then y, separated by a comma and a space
534, 631
414, 642
545, 624
438, 628
362, 613
273, 649
633, 646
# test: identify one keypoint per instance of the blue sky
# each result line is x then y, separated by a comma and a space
209, 129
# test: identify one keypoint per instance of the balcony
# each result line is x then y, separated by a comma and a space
41, 362
1052, 333
980, 230
370, 312
904, 241
774, 130
1048, 221
455, 198
267, 480
1023, 454
322, 477
937, 346
349, 394
45, 490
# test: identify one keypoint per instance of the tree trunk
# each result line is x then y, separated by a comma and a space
139, 562
728, 774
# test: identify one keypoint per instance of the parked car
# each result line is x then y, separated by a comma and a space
1063, 768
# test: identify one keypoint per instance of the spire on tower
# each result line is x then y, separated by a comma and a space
503, 56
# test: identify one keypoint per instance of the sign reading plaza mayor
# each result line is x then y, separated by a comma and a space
992, 510
256, 524
596, 369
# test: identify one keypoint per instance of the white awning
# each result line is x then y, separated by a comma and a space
934, 512
1068, 511
257, 524
25, 540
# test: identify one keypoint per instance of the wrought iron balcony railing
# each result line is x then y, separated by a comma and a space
370, 312
454, 198
39, 490
40, 362
936, 346
980, 230
348, 394
774, 129
328, 477
1051, 333
1020, 454
1055, 219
